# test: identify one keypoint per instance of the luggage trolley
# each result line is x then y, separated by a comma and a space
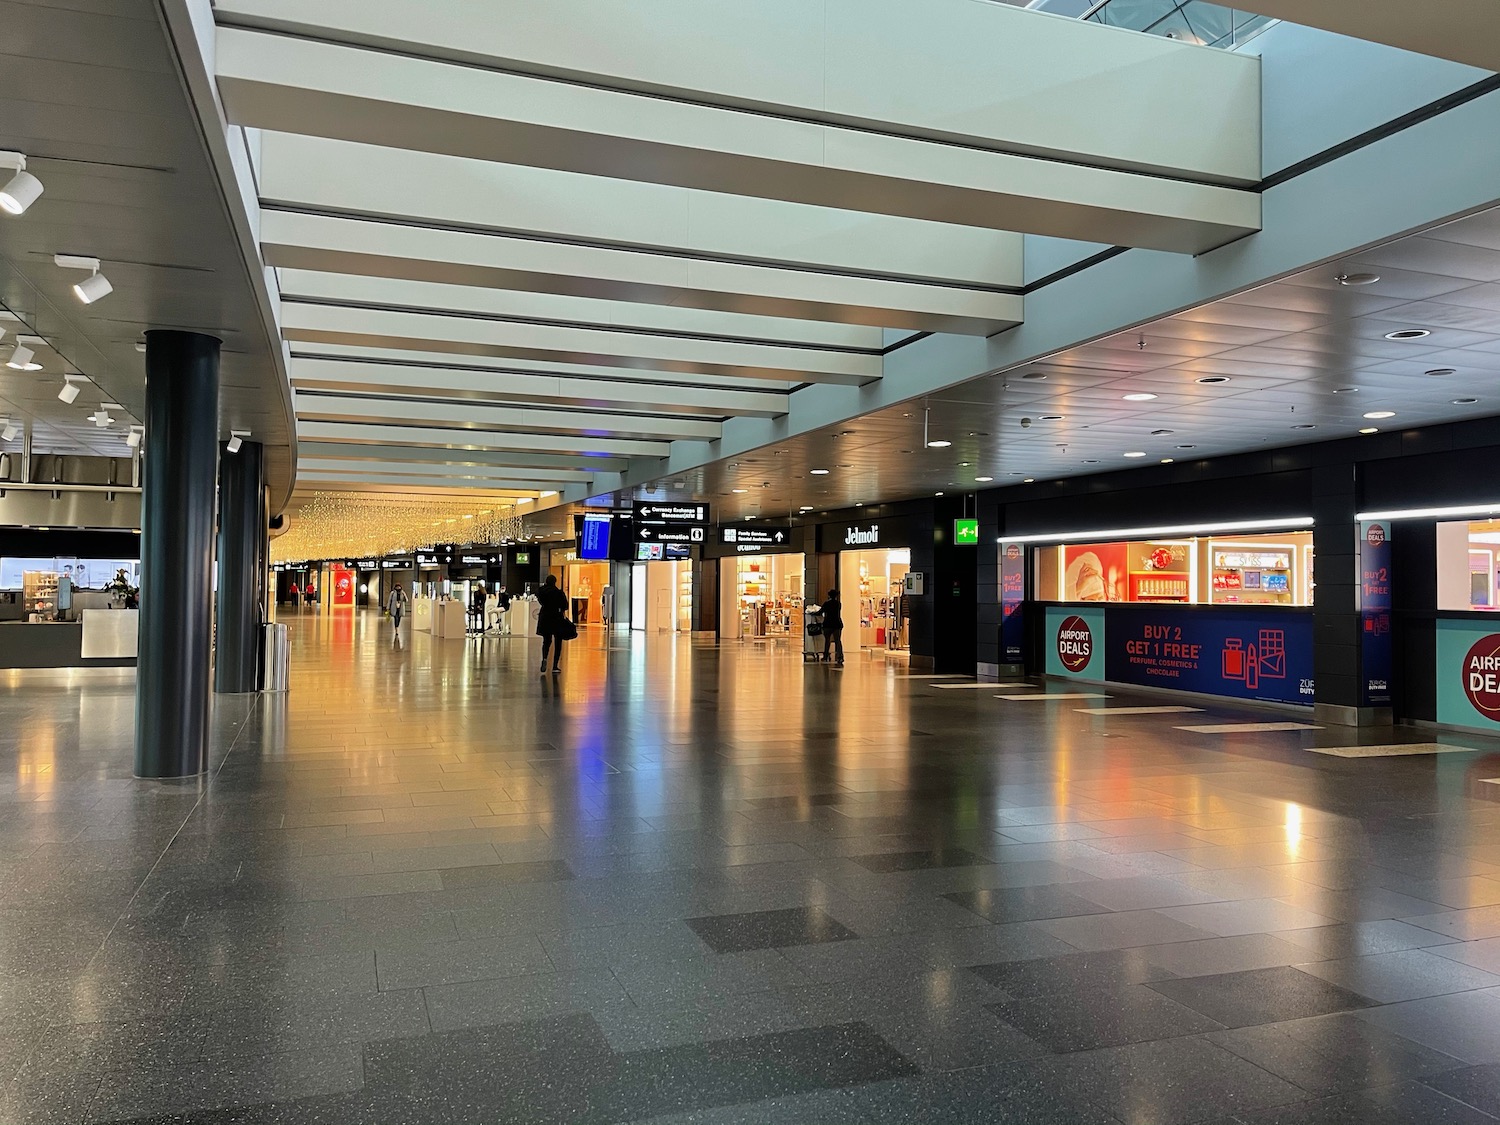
812, 633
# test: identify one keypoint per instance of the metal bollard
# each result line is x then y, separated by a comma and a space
277, 658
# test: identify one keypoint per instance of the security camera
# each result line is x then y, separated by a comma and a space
1025, 423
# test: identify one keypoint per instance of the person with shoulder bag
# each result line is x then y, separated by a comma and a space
552, 623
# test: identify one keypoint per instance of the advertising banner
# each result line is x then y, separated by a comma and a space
1075, 642
1468, 674
1245, 656
1012, 601
1376, 656
343, 585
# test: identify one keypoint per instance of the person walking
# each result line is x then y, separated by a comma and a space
833, 626
552, 617
396, 604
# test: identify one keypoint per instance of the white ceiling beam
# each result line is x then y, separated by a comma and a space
357, 352
504, 339
329, 176
406, 486
333, 244
461, 469
606, 449
546, 390
542, 465
314, 87
482, 416
589, 312
1068, 90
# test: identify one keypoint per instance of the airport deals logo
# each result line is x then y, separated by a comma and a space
1075, 643
1481, 673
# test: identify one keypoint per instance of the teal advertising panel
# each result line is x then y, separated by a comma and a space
1075, 642
1468, 673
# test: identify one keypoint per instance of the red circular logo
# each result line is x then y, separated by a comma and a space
1075, 643
1482, 676
1013, 551
1375, 534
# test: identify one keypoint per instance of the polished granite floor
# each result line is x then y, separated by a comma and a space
681, 884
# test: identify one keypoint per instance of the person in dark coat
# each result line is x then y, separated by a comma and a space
552, 612
833, 626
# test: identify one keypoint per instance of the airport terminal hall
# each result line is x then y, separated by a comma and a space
749, 562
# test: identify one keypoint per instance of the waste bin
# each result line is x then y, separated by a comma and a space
277, 657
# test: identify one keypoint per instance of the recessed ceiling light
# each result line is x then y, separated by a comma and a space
1212, 380
1162, 433
1370, 430
1166, 460
1035, 376
818, 472
738, 491
937, 493
1187, 447
984, 480
1465, 401
1029, 480
1136, 453
1052, 417
1305, 426
906, 451
979, 433
965, 464
1377, 414
805, 508
845, 433
1438, 372
1408, 334
939, 444
1344, 390
1139, 396
1091, 461
1357, 278
779, 452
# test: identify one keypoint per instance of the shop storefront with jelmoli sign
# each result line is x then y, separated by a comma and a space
874, 559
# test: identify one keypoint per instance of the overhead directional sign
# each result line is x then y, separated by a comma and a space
670, 533
664, 511
966, 533
764, 535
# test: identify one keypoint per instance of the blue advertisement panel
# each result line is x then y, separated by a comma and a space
1376, 656
1264, 656
1468, 674
1012, 599
1075, 642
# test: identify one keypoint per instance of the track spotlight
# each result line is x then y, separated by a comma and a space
236, 439
10, 431
91, 288
23, 359
23, 189
101, 418
133, 438
70, 390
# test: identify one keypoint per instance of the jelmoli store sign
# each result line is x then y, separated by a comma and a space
865, 535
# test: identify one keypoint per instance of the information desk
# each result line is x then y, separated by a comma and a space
449, 619
1240, 653
421, 615
60, 644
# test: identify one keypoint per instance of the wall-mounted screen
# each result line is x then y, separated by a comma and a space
593, 537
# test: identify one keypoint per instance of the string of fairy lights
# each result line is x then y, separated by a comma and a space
334, 525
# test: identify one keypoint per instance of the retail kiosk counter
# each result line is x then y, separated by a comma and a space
104, 638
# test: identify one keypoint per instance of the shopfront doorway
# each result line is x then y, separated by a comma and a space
584, 583
761, 597
872, 587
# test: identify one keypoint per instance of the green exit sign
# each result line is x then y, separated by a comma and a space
966, 532
523, 557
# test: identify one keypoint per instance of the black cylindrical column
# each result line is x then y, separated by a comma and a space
242, 527
177, 553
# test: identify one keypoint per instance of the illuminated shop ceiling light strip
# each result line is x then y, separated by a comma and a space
1158, 532
1422, 513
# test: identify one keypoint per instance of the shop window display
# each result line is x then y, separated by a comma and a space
1230, 570
1468, 555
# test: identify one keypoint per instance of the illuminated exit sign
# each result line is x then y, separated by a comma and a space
966, 533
